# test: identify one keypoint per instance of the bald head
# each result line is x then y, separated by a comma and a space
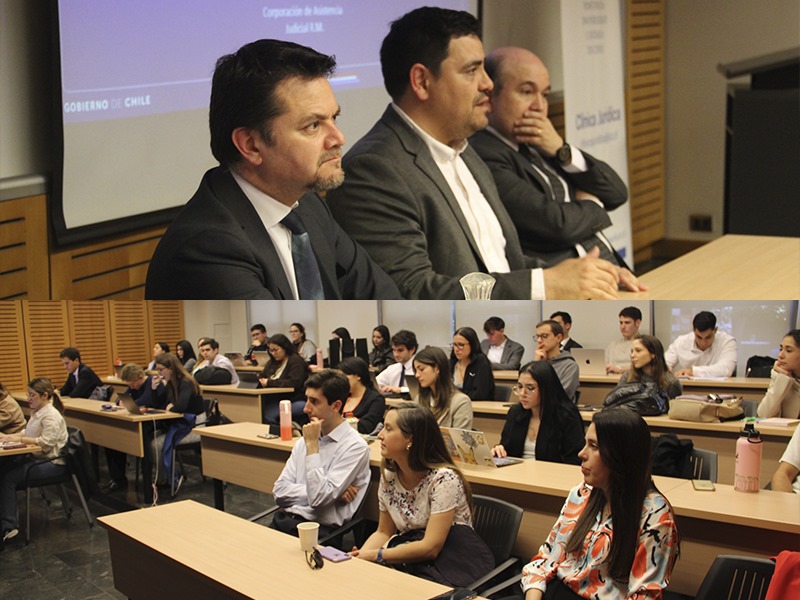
521, 83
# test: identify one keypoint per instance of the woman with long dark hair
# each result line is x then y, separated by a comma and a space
159, 348
648, 365
47, 429
449, 406
305, 348
341, 333
472, 371
365, 404
783, 396
381, 355
545, 424
616, 534
423, 497
185, 354
286, 369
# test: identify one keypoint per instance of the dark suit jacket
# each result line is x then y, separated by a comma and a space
217, 247
559, 440
512, 355
478, 378
85, 385
570, 345
549, 229
396, 203
369, 411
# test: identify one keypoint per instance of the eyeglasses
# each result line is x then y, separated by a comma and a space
542, 336
314, 559
459, 345
519, 389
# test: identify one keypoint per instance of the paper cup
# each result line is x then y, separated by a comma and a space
309, 534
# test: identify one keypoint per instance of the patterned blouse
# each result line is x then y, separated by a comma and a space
439, 491
586, 573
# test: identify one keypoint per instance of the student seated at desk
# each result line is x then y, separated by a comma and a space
46, 429
545, 424
450, 407
177, 391
381, 355
616, 534
158, 349
81, 380
12, 420
364, 404
423, 497
648, 366
185, 354
285, 369
472, 371
783, 395
787, 476
305, 348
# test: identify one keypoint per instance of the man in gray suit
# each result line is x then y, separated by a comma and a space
419, 199
503, 353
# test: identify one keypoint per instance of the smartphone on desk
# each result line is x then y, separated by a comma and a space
268, 436
703, 485
333, 554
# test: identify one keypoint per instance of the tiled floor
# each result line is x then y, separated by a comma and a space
66, 559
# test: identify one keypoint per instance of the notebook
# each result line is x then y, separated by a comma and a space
130, 405
590, 362
470, 447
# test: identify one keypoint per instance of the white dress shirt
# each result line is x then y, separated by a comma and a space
391, 374
718, 360
495, 353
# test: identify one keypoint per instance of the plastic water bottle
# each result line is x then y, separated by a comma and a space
320, 363
286, 419
747, 475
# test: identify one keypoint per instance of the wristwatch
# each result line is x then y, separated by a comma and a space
379, 560
564, 154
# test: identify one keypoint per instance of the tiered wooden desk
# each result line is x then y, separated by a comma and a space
710, 523
189, 550
28, 449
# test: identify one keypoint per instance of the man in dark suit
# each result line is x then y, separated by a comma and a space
504, 354
559, 195
419, 199
81, 380
565, 320
255, 228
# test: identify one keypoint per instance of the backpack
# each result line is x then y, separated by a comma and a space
759, 366
213, 376
671, 456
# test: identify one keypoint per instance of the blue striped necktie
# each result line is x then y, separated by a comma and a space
306, 269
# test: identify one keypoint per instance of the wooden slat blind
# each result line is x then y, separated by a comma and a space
13, 361
130, 331
46, 334
89, 332
166, 322
644, 93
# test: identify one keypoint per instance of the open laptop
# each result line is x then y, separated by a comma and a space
261, 357
236, 358
590, 362
470, 447
248, 380
130, 405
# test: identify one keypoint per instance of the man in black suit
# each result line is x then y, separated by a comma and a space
565, 319
255, 228
81, 380
419, 198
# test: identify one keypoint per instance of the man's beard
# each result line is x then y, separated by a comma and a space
323, 183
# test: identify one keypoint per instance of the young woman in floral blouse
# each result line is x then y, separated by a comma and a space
616, 534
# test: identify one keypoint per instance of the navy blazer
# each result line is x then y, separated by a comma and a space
217, 248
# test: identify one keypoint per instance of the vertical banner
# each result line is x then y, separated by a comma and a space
594, 95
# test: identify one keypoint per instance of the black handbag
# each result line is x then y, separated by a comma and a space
214, 416
647, 399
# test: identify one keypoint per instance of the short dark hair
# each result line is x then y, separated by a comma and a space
631, 312
284, 342
332, 383
210, 342
704, 320
565, 316
353, 365
494, 324
555, 326
70, 353
243, 89
259, 327
406, 338
421, 36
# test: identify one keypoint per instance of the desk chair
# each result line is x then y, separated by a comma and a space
77, 470
736, 577
502, 393
191, 442
704, 464
497, 522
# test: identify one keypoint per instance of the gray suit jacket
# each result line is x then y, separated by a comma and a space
396, 203
548, 229
512, 355
217, 248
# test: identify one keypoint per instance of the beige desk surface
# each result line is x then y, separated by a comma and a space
735, 267
154, 553
28, 449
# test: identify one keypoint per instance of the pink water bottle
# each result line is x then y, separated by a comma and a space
286, 419
747, 476
320, 363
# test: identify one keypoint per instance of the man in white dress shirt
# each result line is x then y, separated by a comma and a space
705, 352
392, 380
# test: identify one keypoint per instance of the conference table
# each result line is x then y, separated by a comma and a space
710, 523
731, 267
118, 430
189, 550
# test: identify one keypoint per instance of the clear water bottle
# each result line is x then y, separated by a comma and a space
747, 475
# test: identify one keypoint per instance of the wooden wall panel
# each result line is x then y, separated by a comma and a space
166, 322
644, 92
129, 331
46, 334
89, 332
13, 361
23, 249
